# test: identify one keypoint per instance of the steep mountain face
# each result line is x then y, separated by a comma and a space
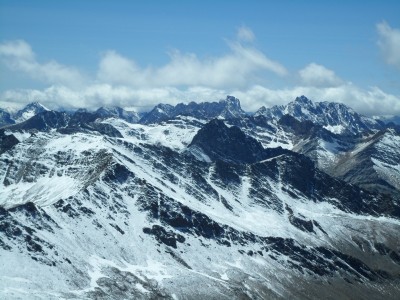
225, 109
89, 215
373, 163
316, 142
335, 117
29, 111
43, 121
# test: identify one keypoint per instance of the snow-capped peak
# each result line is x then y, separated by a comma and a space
29, 111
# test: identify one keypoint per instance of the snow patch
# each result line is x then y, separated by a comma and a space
337, 129
21, 136
45, 191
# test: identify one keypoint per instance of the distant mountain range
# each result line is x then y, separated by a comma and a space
335, 117
198, 201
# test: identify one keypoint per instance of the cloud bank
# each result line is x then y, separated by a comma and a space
372, 101
186, 77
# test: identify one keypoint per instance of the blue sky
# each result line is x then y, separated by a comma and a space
139, 53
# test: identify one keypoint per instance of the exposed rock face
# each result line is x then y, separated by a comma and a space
7, 141
374, 163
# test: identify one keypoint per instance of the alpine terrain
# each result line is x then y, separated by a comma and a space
199, 201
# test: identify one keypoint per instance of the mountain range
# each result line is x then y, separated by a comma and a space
199, 200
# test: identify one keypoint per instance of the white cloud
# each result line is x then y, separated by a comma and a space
114, 68
245, 34
319, 76
19, 56
389, 42
18, 49
233, 69
241, 66
236, 68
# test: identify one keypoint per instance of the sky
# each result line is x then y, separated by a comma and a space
136, 54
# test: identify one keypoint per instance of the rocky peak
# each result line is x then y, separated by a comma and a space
161, 112
36, 105
232, 108
261, 111
164, 108
232, 102
303, 100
